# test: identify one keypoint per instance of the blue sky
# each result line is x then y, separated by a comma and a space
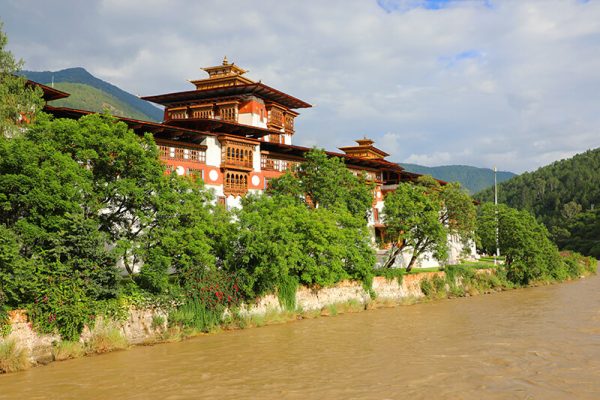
507, 83
406, 5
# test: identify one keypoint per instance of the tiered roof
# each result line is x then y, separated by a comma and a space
226, 81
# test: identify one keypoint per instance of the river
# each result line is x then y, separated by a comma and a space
535, 343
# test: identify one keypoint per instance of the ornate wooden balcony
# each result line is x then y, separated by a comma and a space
268, 163
176, 151
235, 183
237, 153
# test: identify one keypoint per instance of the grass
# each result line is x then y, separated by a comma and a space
158, 322
13, 357
105, 338
271, 317
195, 316
415, 271
65, 350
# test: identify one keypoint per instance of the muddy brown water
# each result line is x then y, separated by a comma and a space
536, 343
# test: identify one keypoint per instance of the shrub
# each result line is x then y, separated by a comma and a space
13, 357
105, 338
286, 293
391, 273
427, 287
158, 322
65, 350
62, 306
577, 265
196, 315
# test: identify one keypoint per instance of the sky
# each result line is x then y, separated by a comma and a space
507, 83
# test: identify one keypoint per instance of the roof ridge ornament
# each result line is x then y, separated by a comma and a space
225, 62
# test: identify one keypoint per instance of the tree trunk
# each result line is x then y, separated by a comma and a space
394, 252
413, 260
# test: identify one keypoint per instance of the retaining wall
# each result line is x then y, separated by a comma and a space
140, 326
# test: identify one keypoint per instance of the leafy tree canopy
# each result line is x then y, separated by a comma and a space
421, 216
301, 231
18, 102
524, 242
323, 181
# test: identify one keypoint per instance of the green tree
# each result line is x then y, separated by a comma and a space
280, 238
181, 237
323, 181
420, 217
524, 242
42, 200
412, 220
19, 103
310, 229
78, 195
124, 176
582, 233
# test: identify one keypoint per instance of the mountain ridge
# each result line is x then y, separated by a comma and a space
80, 75
474, 179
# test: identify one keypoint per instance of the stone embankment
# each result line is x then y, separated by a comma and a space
141, 325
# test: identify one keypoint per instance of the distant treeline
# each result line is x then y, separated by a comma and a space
471, 178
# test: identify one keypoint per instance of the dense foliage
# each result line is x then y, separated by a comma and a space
301, 232
19, 102
525, 244
81, 198
420, 218
564, 196
76, 197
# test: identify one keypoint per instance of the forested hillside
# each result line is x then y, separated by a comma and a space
564, 195
89, 98
81, 76
472, 178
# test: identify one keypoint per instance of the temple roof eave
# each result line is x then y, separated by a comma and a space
158, 130
258, 89
221, 126
49, 93
362, 148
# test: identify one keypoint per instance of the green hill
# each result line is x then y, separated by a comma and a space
88, 98
565, 196
120, 99
472, 178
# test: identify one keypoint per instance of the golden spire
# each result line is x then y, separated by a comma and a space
225, 62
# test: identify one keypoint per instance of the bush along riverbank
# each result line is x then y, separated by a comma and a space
23, 346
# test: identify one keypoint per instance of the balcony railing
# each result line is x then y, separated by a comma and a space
273, 164
236, 183
182, 154
238, 156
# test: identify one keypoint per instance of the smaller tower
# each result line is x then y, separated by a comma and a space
365, 150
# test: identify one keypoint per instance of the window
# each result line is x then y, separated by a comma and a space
236, 183
228, 113
182, 153
195, 173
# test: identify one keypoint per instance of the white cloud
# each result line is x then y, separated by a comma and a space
485, 82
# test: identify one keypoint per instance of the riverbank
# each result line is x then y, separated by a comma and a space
24, 347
